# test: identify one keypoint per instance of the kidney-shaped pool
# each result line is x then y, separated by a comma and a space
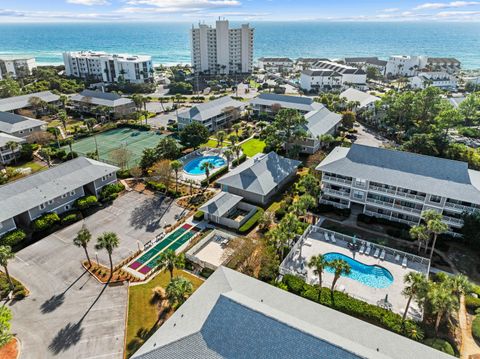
369, 275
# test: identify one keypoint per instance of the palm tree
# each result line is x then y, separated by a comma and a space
108, 241
233, 139
236, 127
420, 233
220, 138
69, 142
415, 284
228, 155
5, 255
237, 149
81, 240
340, 267
176, 166
207, 166
47, 153
12, 146
435, 226
168, 260
62, 116
178, 290
319, 263
460, 285
442, 302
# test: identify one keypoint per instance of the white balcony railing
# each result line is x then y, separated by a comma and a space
381, 189
412, 196
336, 179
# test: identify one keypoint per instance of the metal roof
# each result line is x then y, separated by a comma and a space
31, 191
220, 204
6, 138
210, 109
433, 175
364, 98
321, 121
294, 102
235, 316
260, 174
99, 98
10, 122
18, 102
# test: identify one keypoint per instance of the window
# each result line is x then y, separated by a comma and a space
360, 182
72, 193
67, 207
358, 194
42, 206
50, 202
64, 195
435, 199
104, 178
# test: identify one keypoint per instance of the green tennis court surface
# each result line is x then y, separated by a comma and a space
135, 141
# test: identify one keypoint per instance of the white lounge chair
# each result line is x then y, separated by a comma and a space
382, 255
404, 262
362, 248
332, 238
367, 251
308, 243
397, 258
326, 236
377, 252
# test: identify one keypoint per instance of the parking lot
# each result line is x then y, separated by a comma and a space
68, 313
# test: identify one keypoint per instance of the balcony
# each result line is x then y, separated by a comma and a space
336, 179
334, 192
380, 203
407, 209
453, 221
461, 208
411, 196
333, 203
381, 189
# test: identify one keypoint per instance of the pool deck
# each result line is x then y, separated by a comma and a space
314, 243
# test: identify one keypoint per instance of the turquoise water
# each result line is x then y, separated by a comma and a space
168, 43
369, 275
194, 167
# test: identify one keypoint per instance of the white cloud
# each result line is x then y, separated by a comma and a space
439, 5
186, 4
88, 2
389, 10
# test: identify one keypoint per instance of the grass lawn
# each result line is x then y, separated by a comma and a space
34, 166
142, 314
254, 84
253, 146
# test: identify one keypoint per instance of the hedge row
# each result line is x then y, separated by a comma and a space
476, 328
198, 216
12, 238
214, 176
135, 126
441, 345
252, 221
323, 208
241, 159
86, 202
160, 187
45, 222
111, 191
351, 306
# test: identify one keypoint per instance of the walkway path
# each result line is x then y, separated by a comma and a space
469, 346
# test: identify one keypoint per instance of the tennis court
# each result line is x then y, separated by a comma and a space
135, 141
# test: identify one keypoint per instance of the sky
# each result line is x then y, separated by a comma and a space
236, 10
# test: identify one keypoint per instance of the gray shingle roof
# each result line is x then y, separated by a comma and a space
366, 60
315, 72
321, 121
295, 102
275, 59
221, 204
235, 316
6, 138
10, 122
26, 193
421, 173
18, 102
210, 109
260, 174
364, 98
99, 98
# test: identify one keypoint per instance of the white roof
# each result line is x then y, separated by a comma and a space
364, 98
221, 204
321, 121
10, 122
6, 138
300, 103
235, 316
99, 98
211, 109
18, 102
26, 193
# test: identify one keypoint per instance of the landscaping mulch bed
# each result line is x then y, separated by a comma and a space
10, 350
102, 274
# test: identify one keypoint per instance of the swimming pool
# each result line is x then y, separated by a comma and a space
370, 275
194, 167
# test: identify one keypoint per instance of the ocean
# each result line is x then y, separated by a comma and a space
168, 43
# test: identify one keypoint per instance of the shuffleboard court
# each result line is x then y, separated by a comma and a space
135, 141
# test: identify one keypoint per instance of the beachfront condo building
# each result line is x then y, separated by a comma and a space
399, 186
328, 75
222, 50
109, 68
16, 67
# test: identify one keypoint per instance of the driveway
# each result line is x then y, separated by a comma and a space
367, 137
68, 313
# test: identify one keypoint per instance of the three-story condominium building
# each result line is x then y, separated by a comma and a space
327, 75
398, 185
52, 190
16, 67
222, 50
109, 68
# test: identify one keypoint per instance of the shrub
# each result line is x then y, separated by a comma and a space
280, 212
215, 175
476, 328
45, 222
252, 221
173, 193
472, 303
241, 159
110, 191
156, 186
12, 238
135, 126
70, 218
206, 272
198, 216
440, 344
351, 306
86, 202
123, 174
